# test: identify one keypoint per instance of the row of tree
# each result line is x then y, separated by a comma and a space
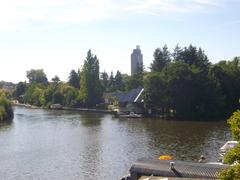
182, 84
185, 85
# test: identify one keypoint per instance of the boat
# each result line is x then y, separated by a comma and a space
131, 115
223, 151
226, 147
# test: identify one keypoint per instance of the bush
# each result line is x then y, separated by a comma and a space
6, 112
233, 156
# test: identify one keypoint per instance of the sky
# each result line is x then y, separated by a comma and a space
55, 35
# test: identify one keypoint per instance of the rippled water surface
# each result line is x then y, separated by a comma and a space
62, 145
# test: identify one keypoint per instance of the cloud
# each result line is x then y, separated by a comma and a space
45, 14
15, 14
172, 6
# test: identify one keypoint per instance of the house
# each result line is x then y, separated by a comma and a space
130, 101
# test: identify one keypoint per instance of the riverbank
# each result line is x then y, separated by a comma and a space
67, 108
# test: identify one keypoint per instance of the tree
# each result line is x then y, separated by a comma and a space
177, 53
34, 95
155, 91
104, 80
37, 76
227, 74
119, 81
233, 156
193, 56
19, 90
111, 82
90, 89
56, 79
139, 73
161, 59
6, 111
74, 79
131, 82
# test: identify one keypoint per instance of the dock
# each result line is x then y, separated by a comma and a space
155, 169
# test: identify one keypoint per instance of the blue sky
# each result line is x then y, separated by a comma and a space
56, 34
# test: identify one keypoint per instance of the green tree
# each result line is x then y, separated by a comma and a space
132, 82
37, 76
90, 89
177, 53
156, 92
193, 56
233, 156
74, 79
6, 111
56, 79
34, 95
111, 82
19, 90
104, 81
227, 73
161, 59
119, 85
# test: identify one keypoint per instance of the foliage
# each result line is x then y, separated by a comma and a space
104, 81
37, 76
234, 122
6, 111
231, 173
233, 156
187, 85
90, 90
56, 79
34, 95
118, 85
132, 82
74, 79
19, 90
227, 74
161, 59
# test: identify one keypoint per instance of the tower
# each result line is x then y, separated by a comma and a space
136, 60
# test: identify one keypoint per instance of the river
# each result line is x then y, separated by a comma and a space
64, 145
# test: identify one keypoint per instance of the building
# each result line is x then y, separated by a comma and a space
130, 101
136, 60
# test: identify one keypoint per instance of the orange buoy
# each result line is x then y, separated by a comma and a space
165, 157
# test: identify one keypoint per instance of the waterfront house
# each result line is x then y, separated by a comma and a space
130, 101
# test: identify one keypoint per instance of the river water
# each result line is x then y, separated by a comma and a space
65, 145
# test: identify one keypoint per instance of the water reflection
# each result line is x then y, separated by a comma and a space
41, 144
4, 125
91, 119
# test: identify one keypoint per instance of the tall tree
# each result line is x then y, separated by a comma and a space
111, 82
37, 76
90, 90
193, 56
104, 80
177, 53
119, 81
74, 79
161, 59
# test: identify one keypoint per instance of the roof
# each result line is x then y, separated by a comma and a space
181, 169
130, 96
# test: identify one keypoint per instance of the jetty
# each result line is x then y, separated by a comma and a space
170, 169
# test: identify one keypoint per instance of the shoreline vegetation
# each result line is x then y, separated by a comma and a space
182, 84
6, 111
66, 108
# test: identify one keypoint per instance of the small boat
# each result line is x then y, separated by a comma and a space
131, 115
226, 147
